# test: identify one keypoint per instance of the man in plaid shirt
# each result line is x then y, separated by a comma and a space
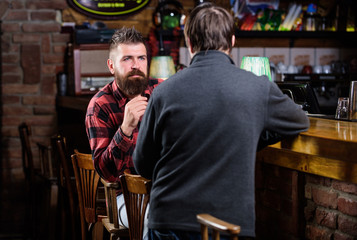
114, 113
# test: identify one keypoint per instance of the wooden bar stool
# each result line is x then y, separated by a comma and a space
218, 226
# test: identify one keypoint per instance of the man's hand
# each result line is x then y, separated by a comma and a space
133, 112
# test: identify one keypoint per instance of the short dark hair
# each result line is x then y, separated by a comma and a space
126, 35
209, 27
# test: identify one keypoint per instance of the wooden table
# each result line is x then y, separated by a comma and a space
328, 148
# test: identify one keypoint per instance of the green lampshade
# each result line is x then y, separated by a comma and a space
257, 65
162, 67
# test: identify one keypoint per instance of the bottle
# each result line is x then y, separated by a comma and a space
311, 18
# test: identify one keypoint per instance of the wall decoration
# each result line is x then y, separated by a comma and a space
107, 9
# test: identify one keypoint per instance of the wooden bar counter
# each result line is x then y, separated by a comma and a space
328, 149
306, 186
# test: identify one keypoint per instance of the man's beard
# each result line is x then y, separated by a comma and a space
131, 86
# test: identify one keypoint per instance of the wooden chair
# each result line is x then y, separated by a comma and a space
41, 188
87, 181
69, 217
136, 190
111, 221
218, 226
48, 188
28, 168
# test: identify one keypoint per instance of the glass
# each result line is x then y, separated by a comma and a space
342, 108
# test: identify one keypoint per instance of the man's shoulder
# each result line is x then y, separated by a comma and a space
102, 97
153, 82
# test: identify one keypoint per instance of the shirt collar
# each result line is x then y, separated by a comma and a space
213, 56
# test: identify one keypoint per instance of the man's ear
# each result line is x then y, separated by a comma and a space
188, 43
110, 65
233, 40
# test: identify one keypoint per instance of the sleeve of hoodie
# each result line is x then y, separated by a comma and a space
283, 118
147, 150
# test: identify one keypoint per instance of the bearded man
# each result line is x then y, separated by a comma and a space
114, 113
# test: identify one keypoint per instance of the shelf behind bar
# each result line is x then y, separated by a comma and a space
296, 39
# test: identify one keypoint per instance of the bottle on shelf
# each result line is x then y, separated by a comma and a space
311, 18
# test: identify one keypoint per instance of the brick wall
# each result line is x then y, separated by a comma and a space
294, 205
331, 210
32, 54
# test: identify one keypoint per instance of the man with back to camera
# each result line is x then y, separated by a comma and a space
199, 135
114, 113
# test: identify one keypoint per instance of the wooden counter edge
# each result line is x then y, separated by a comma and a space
331, 168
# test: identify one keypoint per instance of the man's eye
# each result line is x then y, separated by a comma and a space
126, 59
142, 58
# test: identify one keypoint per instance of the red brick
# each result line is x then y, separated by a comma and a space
26, 38
53, 58
11, 120
49, 86
41, 27
315, 232
3, 8
44, 110
17, 15
345, 187
17, 4
61, 37
12, 110
59, 49
9, 89
11, 79
342, 236
13, 69
10, 100
54, 4
324, 197
10, 131
6, 42
31, 63
43, 15
46, 43
43, 131
326, 218
12, 164
347, 206
12, 153
10, 58
38, 100
48, 69
347, 225
43, 120
10, 27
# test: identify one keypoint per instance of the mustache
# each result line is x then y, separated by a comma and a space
136, 72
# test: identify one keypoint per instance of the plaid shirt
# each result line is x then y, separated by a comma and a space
111, 151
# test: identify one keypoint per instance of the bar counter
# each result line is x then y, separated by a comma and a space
328, 149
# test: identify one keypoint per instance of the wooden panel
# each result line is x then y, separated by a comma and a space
327, 149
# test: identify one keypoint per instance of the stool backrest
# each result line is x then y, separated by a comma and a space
218, 226
27, 157
136, 190
87, 180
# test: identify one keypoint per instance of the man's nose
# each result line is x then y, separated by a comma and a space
135, 64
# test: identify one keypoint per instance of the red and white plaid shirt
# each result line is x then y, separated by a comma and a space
111, 151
